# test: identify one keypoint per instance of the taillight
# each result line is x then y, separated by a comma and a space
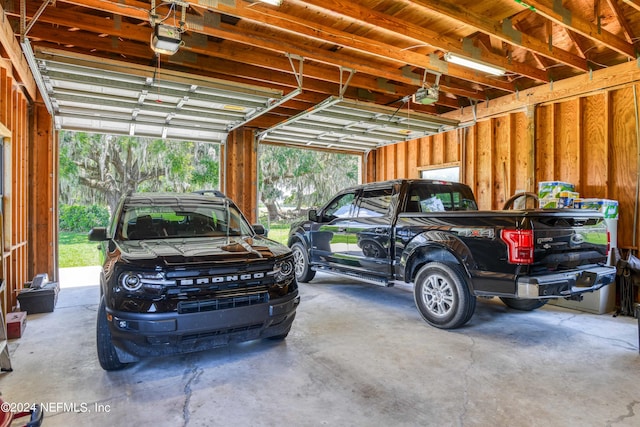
519, 245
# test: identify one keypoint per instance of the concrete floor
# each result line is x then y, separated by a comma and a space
358, 355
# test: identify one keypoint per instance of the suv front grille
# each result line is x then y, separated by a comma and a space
212, 334
222, 303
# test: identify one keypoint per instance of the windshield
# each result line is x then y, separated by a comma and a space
157, 222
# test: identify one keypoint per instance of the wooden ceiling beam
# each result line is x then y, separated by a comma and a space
327, 34
279, 65
314, 89
564, 17
130, 8
285, 45
496, 29
626, 28
633, 3
134, 33
18, 61
575, 41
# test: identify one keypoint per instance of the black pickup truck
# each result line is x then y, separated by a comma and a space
431, 234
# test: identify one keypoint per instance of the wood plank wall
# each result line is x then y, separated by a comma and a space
14, 120
590, 141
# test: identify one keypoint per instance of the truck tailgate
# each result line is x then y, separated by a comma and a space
567, 239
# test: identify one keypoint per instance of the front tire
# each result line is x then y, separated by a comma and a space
107, 355
523, 304
280, 337
303, 270
442, 295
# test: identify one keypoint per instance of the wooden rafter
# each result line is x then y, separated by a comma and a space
360, 44
10, 45
488, 26
237, 53
566, 18
417, 34
389, 44
256, 39
626, 28
633, 3
575, 41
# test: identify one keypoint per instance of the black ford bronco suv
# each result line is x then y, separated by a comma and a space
431, 234
186, 272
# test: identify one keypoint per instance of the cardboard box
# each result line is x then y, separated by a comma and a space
41, 300
16, 324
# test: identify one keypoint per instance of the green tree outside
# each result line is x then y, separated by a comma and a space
97, 169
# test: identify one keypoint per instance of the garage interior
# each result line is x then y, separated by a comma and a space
376, 78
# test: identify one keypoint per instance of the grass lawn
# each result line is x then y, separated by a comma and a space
279, 233
75, 250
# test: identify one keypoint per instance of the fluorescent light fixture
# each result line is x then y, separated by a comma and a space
273, 2
474, 64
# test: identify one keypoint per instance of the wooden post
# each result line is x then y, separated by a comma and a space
43, 195
241, 171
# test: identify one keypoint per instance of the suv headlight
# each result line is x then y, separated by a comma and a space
131, 281
284, 272
155, 282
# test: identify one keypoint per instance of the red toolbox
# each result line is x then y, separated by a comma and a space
16, 323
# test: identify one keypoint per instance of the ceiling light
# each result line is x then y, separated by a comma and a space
474, 64
273, 2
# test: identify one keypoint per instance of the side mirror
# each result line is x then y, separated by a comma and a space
313, 215
98, 234
259, 229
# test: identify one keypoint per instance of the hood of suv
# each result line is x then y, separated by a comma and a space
200, 250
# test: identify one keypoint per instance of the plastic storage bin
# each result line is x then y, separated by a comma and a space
41, 300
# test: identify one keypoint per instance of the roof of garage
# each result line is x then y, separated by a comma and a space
392, 48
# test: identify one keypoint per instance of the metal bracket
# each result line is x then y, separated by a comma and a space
467, 46
154, 19
271, 104
298, 74
344, 85
563, 11
508, 30
24, 29
424, 78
